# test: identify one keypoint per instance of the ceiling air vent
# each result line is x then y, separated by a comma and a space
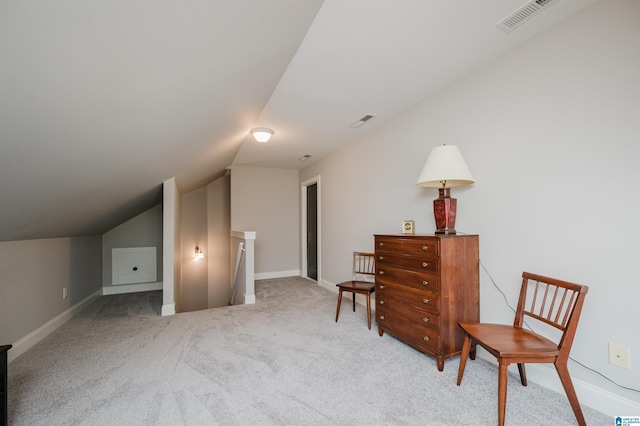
362, 121
524, 13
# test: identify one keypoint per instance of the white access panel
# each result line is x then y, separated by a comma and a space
133, 265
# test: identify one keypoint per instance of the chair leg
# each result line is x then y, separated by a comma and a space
565, 378
353, 296
339, 301
523, 374
502, 390
369, 310
466, 345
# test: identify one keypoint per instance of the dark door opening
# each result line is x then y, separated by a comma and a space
312, 231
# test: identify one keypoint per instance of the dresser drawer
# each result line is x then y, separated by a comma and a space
422, 338
394, 307
407, 245
409, 296
419, 280
418, 263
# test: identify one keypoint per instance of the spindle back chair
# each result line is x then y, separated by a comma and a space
544, 302
362, 281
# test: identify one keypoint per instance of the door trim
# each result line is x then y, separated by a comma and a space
303, 221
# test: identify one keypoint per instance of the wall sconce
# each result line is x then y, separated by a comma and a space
261, 134
444, 169
199, 254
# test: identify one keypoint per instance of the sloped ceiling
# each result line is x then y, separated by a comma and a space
103, 100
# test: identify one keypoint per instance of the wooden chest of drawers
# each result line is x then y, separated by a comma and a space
425, 285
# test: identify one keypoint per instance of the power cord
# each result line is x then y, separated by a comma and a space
530, 328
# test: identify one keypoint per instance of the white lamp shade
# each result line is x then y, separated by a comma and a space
445, 163
261, 134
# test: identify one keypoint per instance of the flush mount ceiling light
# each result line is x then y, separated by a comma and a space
261, 134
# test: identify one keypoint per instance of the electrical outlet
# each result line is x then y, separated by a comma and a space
64, 293
620, 356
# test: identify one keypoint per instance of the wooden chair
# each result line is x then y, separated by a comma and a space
545, 302
363, 268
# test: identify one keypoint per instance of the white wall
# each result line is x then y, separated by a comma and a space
218, 227
205, 223
32, 276
144, 230
267, 201
194, 289
550, 132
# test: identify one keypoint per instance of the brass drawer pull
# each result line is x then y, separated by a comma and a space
381, 244
425, 264
426, 338
382, 302
425, 248
382, 286
426, 300
381, 272
381, 317
425, 282
425, 319
380, 257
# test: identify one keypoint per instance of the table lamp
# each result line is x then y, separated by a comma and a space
444, 169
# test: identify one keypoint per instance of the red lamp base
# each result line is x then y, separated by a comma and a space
444, 211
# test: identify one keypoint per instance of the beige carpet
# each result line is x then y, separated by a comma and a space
282, 361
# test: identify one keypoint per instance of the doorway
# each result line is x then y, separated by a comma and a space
312, 231
310, 195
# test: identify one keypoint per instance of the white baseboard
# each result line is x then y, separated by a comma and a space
597, 398
28, 341
131, 288
277, 274
169, 309
328, 285
588, 394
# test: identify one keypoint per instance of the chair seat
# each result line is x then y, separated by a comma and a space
508, 341
358, 286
